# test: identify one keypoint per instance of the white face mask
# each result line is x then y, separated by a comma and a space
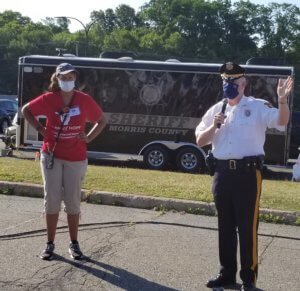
66, 86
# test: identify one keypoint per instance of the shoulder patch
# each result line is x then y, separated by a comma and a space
268, 104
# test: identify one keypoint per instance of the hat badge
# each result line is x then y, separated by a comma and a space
229, 66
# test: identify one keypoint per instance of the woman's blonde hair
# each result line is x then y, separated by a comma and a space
54, 87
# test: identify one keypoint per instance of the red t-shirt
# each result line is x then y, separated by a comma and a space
83, 108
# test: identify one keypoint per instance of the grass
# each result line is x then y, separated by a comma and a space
280, 195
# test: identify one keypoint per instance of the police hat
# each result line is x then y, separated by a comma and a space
231, 71
65, 68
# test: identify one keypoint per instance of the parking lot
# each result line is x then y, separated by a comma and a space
132, 249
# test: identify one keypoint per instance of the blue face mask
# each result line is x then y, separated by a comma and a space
66, 86
230, 90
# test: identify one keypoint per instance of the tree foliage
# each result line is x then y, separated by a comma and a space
200, 30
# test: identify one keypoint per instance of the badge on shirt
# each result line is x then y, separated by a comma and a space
247, 112
74, 111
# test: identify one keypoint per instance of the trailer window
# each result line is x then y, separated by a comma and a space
27, 69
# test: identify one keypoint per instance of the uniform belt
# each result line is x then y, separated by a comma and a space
239, 164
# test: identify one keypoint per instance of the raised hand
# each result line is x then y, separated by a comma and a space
284, 89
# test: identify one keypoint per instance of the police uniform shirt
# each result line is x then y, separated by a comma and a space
243, 131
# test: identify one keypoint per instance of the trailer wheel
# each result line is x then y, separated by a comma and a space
156, 157
189, 160
10, 142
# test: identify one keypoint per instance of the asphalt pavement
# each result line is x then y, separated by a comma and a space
131, 249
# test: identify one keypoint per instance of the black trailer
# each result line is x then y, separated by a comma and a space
152, 107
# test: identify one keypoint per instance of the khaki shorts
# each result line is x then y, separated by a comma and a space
63, 183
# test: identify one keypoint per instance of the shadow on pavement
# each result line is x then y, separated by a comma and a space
114, 275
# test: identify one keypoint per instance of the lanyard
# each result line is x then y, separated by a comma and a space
56, 140
64, 112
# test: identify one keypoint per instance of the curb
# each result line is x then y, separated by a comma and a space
140, 201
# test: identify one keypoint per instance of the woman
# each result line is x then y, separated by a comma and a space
63, 155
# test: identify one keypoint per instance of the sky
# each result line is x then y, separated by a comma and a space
38, 10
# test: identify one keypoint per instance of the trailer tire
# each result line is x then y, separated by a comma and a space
156, 157
10, 142
189, 160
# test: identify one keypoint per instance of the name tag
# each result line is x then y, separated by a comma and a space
74, 111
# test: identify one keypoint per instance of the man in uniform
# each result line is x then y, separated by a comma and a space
237, 133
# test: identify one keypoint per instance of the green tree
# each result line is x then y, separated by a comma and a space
152, 42
209, 30
11, 25
121, 39
126, 17
174, 44
9, 16
106, 19
57, 25
280, 28
200, 30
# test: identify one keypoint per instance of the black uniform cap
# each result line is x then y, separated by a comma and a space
231, 71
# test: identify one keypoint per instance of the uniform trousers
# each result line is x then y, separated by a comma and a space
237, 194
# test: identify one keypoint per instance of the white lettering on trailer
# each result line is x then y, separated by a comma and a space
140, 120
121, 128
169, 131
151, 130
